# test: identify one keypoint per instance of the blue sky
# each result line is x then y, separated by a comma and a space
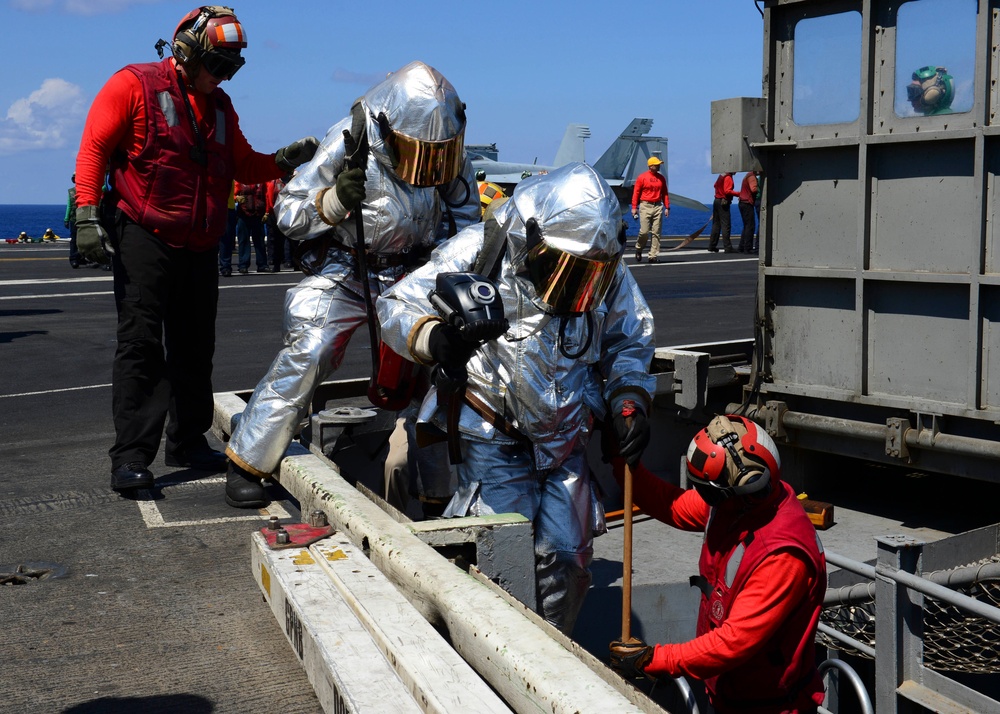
524, 69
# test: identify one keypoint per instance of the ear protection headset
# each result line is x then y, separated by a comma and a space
212, 36
733, 456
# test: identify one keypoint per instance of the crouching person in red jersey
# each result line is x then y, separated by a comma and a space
762, 574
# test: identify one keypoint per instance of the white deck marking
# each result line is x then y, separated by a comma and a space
54, 391
110, 292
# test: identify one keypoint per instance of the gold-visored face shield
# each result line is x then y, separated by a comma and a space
566, 283
427, 163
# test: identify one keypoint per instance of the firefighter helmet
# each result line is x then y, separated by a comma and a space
565, 234
416, 124
732, 456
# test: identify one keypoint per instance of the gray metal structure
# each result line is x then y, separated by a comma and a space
878, 329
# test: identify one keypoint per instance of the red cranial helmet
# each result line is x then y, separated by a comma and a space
732, 456
210, 37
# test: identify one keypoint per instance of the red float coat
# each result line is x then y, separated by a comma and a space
139, 126
754, 639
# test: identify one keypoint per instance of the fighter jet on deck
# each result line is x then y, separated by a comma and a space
620, 164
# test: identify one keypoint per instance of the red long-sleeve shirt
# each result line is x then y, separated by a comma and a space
117, 120
772, 591
273, 189
748, 189
724, 187
651, 187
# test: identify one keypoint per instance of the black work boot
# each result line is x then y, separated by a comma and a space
131, 477
244, 489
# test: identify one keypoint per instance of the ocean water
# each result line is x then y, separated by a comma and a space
685, 221
34, 219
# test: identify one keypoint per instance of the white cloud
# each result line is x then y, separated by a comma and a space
51, 117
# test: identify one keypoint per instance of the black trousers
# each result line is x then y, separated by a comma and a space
749, 217
276, 245
74, 253
721, 224
167, 300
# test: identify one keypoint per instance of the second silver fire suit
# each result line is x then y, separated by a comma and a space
546, 376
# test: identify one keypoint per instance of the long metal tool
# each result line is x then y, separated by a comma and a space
628, 409
360, 251
627, 559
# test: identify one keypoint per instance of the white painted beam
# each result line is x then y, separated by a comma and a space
531, 671
438, 678
348, 672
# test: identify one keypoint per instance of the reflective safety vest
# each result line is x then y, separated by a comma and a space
783, 672
167, 188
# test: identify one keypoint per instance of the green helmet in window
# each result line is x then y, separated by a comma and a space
931, 90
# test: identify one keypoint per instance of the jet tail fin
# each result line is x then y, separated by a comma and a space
644, 148
572, 149
614, 162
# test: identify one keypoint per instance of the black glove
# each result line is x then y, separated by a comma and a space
91, 238
351, 188
448, 348
296, 153
610, 448
630, 657
632, 437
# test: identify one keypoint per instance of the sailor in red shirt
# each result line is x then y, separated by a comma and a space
277, 243
650, 204
762, 576
725, 191
170, 141
748, 197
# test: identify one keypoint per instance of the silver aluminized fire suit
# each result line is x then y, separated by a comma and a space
545, 384
400, 220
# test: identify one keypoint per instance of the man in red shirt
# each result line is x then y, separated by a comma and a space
277, 243
762, 576
721, 218
170, 139
650, 204
748, 195
251, 206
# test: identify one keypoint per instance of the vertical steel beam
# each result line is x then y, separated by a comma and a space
899, 645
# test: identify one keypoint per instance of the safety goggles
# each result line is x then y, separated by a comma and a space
221, 65
567, 283
427, 163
